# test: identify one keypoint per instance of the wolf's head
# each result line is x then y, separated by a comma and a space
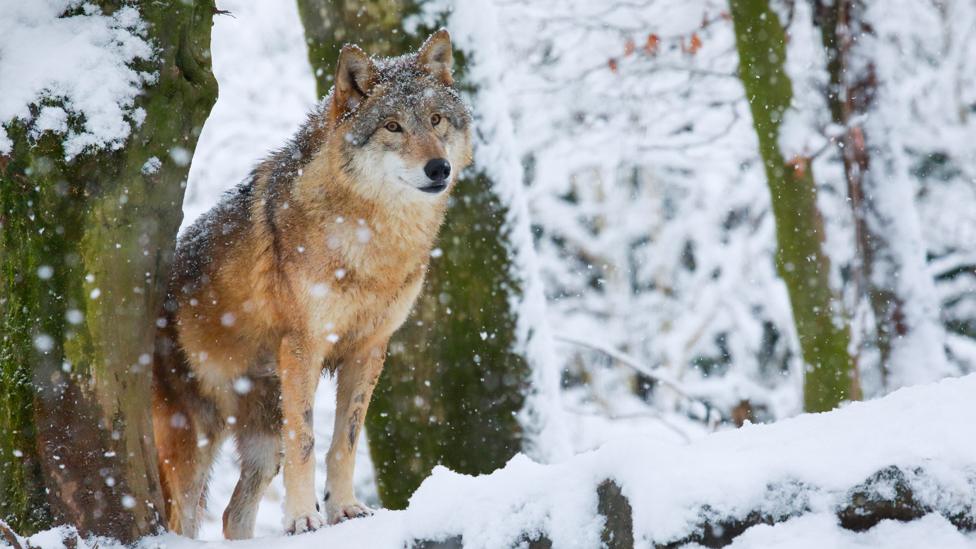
401, 131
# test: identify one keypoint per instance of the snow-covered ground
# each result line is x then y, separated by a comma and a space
802, 468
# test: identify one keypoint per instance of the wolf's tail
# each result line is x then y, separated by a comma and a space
170, 419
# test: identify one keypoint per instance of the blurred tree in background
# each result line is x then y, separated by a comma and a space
821, 324
86, 249
454, 383
890, 272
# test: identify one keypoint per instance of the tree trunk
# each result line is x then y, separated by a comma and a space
891, 266
830, 375
86, 249
375, 25
456, 377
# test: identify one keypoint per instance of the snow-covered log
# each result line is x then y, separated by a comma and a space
892, 493
903, 457
840, 478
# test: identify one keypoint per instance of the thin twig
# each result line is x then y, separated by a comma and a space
653, 373
652, 414
9, 536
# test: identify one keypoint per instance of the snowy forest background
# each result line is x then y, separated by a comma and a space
650, 185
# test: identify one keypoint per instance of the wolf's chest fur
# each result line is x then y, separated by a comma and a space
341, 273
356, 276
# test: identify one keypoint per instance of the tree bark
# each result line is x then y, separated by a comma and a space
890, 270
375, 25
830, 376
86, 249
454, 381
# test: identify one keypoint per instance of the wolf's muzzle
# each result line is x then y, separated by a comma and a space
438, 169
435, 188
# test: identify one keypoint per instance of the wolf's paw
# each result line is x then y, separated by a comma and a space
342, 512
304, 522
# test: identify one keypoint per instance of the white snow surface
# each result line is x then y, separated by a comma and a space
83, 62
667, 484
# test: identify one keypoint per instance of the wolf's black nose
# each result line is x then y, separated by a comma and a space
438, 169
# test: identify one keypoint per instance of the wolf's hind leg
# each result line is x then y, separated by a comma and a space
357, 378
260, 458
259, 448
187, 446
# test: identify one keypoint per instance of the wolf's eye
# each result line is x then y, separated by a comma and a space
435, 120
393, 126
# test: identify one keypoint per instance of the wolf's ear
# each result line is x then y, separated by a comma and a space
436, 56
355, 77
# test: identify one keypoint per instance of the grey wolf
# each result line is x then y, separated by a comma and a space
306, 267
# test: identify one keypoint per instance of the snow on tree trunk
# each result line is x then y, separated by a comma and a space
891, 267
824, 335
466, 382
87, 243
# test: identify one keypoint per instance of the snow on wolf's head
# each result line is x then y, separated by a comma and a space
401, 129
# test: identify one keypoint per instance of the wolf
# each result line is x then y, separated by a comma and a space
307, 266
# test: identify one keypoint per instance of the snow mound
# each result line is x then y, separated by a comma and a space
803, 466
65, 60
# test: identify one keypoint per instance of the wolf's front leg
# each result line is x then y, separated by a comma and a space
299, 378
357, 378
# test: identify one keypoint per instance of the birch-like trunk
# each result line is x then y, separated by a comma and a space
890, 270
86, 248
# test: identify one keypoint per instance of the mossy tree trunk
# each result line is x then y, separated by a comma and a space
830, 375
453, 384
86, 249
375, 25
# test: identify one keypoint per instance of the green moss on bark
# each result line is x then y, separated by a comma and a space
375, 25
452, 385
824, 333
87, 246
